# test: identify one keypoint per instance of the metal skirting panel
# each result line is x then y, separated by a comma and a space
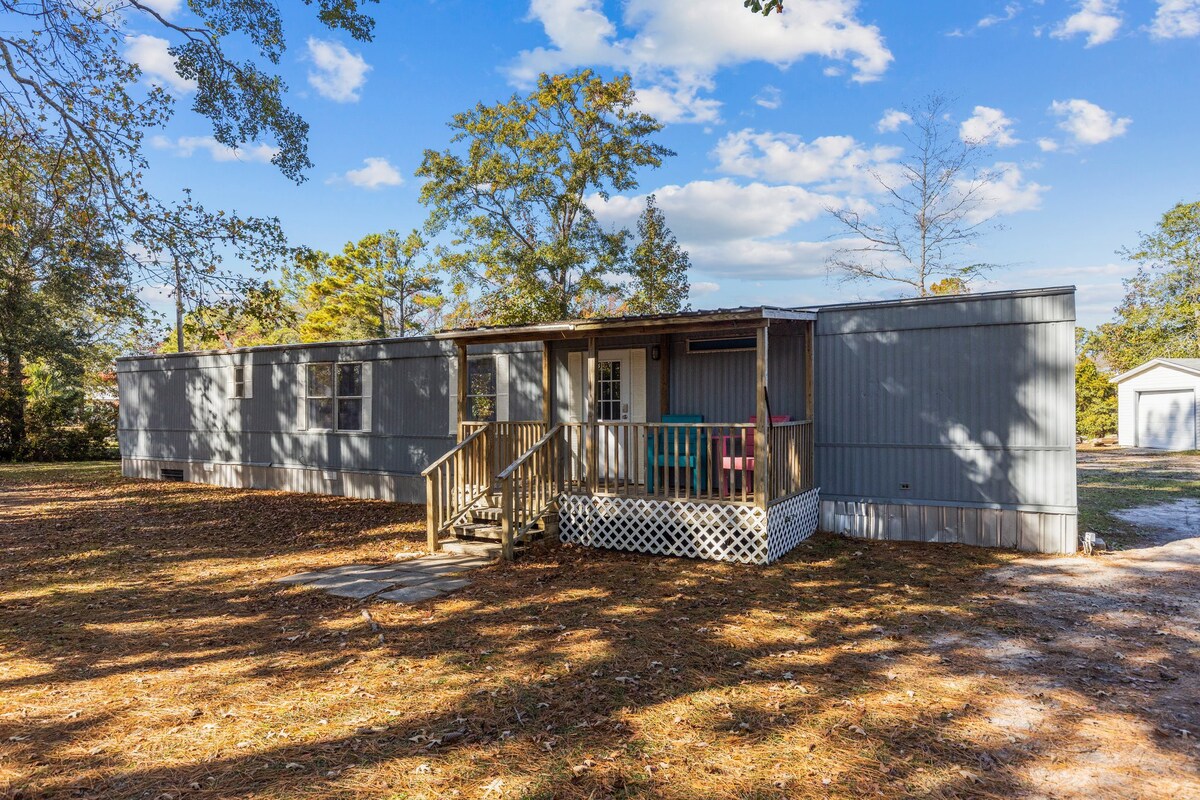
712, 531
790, 522
360, 485
1032, 531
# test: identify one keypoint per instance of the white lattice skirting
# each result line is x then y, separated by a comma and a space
742, 534
791, 522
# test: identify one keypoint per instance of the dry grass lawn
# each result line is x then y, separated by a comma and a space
145, 652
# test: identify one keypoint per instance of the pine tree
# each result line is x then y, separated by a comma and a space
659, 266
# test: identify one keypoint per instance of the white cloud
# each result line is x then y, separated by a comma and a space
338, 74
1008, 192
988, 126
769, 97
679, 101
186, 147
892, 120
157, 65
700, 288
721, 210
1176, 19
1088, 123
377, 173
832, 161
1099, 20
737, 230
1047, 145
675, 47
1010, 12
166, 8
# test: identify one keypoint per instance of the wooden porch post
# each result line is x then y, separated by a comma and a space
547, 398
762, 454
462, 387
590, 453
664, 375
810, 330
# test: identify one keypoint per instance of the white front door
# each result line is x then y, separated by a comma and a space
620, 377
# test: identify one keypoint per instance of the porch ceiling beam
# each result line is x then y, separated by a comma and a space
584, 328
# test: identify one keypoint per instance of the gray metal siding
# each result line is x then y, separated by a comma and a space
180, 409
722, 385
968, 402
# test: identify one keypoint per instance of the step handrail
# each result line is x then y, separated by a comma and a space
511, 468
450, 454
455, 482
539, 489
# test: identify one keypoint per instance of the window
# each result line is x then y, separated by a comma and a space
334, 394
721, 345
349, 397
608, 390
239, 382
481, 389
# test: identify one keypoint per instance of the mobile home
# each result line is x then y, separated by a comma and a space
730, 434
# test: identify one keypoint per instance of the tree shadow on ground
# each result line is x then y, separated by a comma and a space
176, 667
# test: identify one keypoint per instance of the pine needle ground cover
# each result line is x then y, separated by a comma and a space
145, 652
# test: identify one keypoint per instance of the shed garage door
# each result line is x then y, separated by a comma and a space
1167, 420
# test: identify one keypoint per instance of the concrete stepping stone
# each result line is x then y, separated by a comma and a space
401, 582
352, 569
302, 577
360, 589
424, 591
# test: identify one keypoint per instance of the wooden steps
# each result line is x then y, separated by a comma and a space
466, 548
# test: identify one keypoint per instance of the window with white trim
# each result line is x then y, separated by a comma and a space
334, 396
239, 382
481, 389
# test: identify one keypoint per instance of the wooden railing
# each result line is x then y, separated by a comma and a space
531, 485
706, 462
687, 461
508, 439
456, 482
791, 459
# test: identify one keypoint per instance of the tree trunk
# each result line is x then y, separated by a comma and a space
178, 308
403, 315
12, 408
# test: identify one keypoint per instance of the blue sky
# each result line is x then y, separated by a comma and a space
1090, 107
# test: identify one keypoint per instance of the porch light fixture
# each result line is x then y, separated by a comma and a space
655, 352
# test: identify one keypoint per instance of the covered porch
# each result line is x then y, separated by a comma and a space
687, 435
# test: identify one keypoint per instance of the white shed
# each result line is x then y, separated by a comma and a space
1156, 404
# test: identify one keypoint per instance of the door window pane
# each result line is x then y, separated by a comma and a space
608, 390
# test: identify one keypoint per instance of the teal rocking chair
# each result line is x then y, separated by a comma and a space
678, 447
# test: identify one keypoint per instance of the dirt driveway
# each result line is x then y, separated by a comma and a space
1121, 631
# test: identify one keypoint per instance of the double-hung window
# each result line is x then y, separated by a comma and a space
239, 381
481, 389
334, 396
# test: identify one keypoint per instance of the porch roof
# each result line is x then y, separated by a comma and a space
626, 325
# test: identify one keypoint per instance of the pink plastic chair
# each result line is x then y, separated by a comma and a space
732, 462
